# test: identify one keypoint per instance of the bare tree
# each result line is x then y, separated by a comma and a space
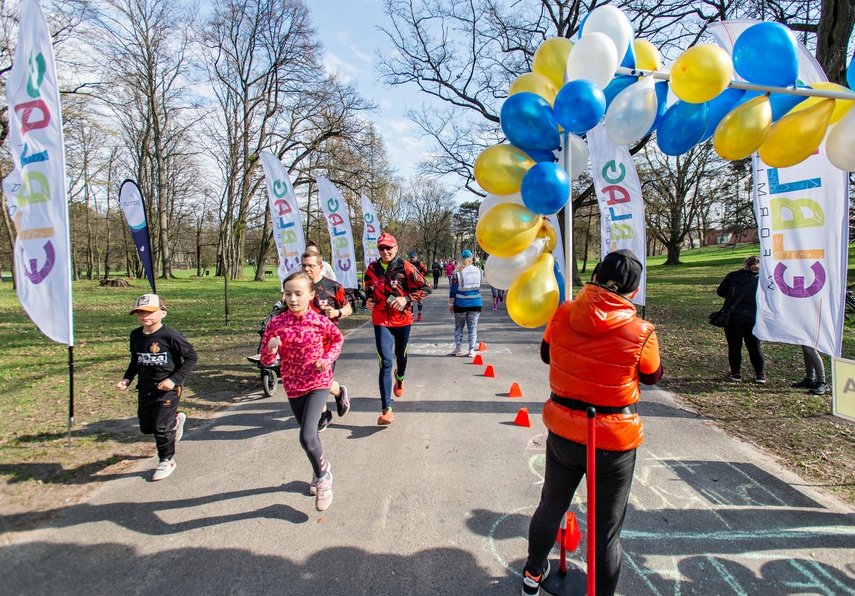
676, 189
147, 44
429, 210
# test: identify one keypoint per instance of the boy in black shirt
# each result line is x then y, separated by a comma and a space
163, 358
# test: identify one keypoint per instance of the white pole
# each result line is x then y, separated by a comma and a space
666, 76
568, 224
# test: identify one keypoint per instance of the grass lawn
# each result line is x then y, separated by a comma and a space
39, 472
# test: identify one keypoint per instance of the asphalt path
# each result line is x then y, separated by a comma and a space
437, 503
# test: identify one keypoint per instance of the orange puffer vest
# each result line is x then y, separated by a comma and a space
595, 348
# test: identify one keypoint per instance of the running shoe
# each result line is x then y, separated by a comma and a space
164, 468
457, 351
531, 583
323, 498
313, 485
398, 387
180, 418
419, 317
324, 422
342, 404
734, 378
760, 379
387, 417
804, 384
820, 389
472, 354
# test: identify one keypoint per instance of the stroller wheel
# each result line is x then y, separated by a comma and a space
269, 382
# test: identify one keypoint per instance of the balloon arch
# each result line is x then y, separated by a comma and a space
574, 87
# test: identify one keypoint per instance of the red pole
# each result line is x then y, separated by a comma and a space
591, 478
562, 565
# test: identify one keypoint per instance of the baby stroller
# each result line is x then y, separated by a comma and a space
270, 372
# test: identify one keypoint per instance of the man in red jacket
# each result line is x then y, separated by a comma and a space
392, 285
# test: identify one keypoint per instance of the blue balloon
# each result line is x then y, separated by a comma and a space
767, 54
579, 106
850, 74
529, 123
629, 58
719, 108
682, 127
617, 84
545, 188
559, 277
661, 104
782, 103
540, 156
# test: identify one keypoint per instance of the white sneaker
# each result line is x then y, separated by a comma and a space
457, 352
313, 485
323, 498
472, 353
180, 418
164, 469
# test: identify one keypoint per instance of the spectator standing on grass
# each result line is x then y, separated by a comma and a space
392, 284
739, 289
464, 302
598, 352
330, 301
307, 344
814, 380
162, 358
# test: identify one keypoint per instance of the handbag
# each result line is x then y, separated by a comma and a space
721, 317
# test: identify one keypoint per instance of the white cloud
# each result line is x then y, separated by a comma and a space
348, 72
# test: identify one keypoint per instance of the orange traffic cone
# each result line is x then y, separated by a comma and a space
573, 535
482, 347
478, 360
515, 391
522, 418
489, 372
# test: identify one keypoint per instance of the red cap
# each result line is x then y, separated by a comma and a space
386, 239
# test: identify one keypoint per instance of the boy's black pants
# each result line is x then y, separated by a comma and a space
156, 414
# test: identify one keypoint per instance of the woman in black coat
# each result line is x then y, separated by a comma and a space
741, 326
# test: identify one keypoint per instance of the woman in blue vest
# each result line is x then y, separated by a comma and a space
464, 302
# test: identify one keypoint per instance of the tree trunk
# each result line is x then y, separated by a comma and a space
264, 247
10, 235
673, 252
199, 246
832, 37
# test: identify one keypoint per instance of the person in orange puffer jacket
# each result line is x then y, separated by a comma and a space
598, 352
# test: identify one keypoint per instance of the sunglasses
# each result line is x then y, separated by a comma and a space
385, 247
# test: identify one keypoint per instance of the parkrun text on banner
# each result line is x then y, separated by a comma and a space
341, 234
284, 215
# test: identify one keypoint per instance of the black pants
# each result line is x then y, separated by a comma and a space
435, 280
739, 330
566, 463
156, 414
307, 408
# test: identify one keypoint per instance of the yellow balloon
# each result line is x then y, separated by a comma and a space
550, 59
741, 132
533, 297
547, 231
647, 57
535, 83
841, 106
795, 137
500, 169
507, 229
701, 73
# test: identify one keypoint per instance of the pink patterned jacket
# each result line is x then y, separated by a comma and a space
305, 340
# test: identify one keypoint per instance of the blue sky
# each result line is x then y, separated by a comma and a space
348, 30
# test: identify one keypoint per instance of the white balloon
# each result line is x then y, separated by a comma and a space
578, 156
839, 145
632, 112
500, 272
491, 201
593, 58
611, 21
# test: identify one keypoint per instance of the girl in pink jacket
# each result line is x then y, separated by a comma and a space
308, 344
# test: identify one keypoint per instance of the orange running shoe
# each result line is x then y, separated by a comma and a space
398, 387
387, 417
